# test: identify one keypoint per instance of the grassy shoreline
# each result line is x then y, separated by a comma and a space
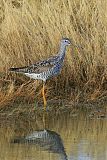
28, 112
30, 31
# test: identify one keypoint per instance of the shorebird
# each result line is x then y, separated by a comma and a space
46, 69
47, 140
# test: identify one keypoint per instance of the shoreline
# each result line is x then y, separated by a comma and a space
95, 109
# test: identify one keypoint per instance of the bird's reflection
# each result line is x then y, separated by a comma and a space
46, 139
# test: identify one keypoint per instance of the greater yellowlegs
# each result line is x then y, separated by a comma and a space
48, 140
45, 69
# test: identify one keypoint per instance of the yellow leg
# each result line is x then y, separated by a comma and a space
44, 98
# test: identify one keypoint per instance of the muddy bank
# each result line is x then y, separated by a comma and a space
29, 112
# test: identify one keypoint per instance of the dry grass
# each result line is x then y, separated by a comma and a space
31, 31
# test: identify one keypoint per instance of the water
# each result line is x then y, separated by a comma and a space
62, 136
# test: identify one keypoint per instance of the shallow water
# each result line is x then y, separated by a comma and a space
64, 136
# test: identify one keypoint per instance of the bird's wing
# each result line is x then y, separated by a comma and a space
38, 67
35, 68
50, 61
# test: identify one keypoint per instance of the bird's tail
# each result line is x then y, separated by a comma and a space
21, 69
18, 140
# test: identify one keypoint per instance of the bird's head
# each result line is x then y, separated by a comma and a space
66, 41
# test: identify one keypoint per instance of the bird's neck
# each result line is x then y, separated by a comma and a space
62, 51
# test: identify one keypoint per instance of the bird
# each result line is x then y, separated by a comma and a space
47, 140
45, 69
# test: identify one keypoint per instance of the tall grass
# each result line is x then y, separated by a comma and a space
30, 31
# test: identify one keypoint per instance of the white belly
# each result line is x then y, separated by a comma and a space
33, 75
